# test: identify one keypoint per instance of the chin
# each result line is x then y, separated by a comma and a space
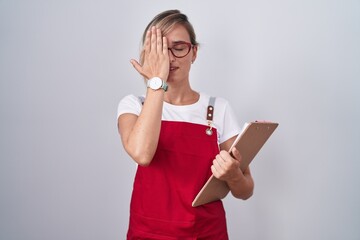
169, 79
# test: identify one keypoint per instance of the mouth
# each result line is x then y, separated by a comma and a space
173, 69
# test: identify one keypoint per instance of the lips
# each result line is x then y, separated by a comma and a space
172, 68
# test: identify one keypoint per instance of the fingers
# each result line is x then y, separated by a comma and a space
159, 42
224, 166
147, 46
155, 57
220, 164
153, 41
215, 172
165, 46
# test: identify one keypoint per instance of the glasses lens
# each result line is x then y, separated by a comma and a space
181, 49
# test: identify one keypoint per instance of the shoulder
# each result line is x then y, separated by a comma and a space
131, 97
225, 119
220, 102
129, 104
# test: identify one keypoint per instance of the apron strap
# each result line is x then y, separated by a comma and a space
210, 109
142, 100
210, 115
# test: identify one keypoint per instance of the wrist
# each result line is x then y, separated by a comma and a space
239, 178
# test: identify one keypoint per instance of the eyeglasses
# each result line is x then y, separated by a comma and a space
181, 49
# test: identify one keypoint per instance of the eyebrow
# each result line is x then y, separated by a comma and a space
175, 42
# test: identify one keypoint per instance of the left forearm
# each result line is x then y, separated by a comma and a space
242, 187
226, 167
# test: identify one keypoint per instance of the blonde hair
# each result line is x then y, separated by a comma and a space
165, 21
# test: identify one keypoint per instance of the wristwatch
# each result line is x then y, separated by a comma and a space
156, 83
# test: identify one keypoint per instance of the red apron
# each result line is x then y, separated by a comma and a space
163, 191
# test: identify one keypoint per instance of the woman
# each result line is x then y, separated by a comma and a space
174, 135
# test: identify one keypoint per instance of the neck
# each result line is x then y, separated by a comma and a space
181, 95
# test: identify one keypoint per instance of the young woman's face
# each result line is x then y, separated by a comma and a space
178, 39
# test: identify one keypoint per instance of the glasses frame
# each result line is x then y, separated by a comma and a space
190, 46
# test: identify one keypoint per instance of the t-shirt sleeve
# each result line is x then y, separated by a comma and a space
129, 104
231, 126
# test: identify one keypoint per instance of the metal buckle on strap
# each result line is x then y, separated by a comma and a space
209, 131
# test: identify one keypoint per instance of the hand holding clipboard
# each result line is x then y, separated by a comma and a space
248, 142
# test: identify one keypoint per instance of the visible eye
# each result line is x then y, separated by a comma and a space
180, 47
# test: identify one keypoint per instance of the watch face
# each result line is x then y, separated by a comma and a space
155, 83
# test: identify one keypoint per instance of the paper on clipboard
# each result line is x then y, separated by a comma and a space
249, 142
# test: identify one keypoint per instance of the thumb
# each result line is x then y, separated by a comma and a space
136, 65
236, 154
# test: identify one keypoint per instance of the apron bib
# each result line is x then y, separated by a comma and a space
163, 191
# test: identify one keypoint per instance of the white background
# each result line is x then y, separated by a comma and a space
64, 65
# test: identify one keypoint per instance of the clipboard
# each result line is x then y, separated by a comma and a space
249, 142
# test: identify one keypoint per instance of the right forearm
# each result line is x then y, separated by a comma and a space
143, 139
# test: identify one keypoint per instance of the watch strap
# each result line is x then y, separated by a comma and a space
164, 85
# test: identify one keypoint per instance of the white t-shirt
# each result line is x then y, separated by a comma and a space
224, 119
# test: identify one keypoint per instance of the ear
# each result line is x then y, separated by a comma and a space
195, 48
